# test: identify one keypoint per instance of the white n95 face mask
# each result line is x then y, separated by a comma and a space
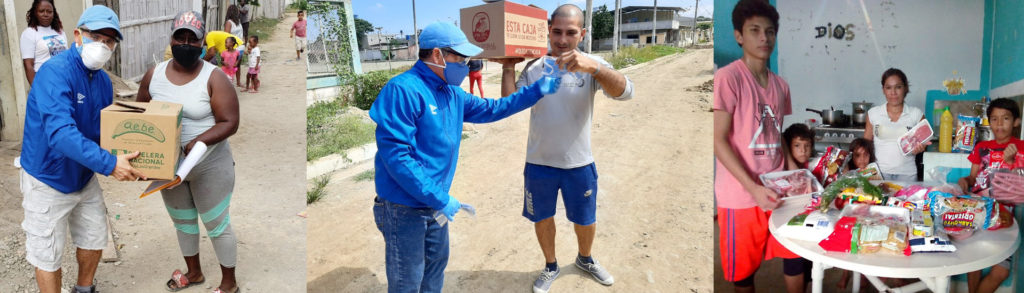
95, 54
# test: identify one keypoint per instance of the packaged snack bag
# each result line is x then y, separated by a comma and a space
830, 164
960, 216
965, 133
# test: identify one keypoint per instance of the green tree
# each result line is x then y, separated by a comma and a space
604, 23
363, 27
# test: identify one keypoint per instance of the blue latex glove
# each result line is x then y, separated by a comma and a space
451, 208
549, 85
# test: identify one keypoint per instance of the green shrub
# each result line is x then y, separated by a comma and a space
366, 88
299, 5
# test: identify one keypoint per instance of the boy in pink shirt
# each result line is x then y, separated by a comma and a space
749, 104
298, 32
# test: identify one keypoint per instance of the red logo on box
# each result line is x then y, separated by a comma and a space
481, 27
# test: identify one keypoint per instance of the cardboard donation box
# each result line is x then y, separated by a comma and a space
506, 29
153, 129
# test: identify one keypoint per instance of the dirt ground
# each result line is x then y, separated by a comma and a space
653, 155
269, 151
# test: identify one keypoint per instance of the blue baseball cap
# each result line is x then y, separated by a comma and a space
99, 17
446, 35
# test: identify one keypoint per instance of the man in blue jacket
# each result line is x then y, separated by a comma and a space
59, 154
419, 117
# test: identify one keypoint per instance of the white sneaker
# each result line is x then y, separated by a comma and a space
600, 274
543, 282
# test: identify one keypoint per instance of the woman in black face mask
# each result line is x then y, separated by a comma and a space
209, 117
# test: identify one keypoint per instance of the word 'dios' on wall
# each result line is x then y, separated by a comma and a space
839, 32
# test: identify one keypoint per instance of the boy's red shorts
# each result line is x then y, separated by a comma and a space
745, 241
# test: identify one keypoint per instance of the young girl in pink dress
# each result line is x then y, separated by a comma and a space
229, 59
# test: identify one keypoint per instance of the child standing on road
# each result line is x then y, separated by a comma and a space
254, 65
749, 104
229, 60
1000, 153
298, 32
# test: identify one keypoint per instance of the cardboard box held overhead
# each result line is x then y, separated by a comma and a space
505, 29
153, 129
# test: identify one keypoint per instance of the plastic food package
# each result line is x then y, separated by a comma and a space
871, 171
1006, 186
879, 229
830, 164
810, 226
882, 236
919, 134
921, 223
840, 238
1001, 217
863, 189
889, 188
792, 183
960, 216
935, 243
965, 132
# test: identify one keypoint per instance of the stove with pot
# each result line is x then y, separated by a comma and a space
825, 136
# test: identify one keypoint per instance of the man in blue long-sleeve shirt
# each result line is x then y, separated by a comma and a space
419, 117
60, 154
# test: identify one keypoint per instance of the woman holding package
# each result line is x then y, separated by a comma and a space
209, 117
886, 123
43, 38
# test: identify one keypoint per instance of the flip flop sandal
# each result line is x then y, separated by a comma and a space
179, 282
236, 290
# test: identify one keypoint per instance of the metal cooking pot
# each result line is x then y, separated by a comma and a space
860, 107
830, 117
859, 119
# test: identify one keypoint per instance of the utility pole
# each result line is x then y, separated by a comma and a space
615, 38
415, 30
590, 25
695, 6
654, 27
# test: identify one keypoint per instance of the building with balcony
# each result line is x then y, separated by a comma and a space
637, 22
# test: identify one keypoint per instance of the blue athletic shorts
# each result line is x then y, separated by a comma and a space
578, 186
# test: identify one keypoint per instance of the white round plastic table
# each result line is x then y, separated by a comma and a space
984, 249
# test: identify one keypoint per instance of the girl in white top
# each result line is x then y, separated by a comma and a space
886, 123
44, 37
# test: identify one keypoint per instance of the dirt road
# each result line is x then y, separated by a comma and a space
654, 210
269, 152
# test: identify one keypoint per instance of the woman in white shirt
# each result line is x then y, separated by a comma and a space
886, 123
43, 38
